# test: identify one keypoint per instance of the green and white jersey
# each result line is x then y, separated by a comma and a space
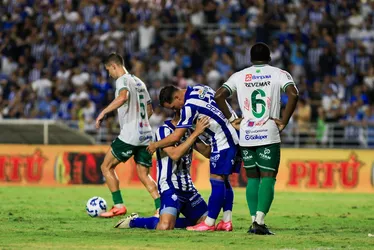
132, 116
258, 89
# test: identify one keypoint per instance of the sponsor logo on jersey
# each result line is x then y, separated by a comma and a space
145, 137
257, 84
247, 104
255, 137
250, 77
255, 124
215, 110
256, 131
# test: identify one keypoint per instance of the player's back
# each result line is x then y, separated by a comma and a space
133, 117
199, 102
173, 174
259, 95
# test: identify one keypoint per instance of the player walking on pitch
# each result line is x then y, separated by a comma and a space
258, 91
134, 108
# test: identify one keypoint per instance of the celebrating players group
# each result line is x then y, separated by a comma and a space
204, 121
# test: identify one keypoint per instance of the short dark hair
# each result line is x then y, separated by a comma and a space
260, 52
114, 58
166, 94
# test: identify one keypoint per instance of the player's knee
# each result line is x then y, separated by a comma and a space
164, 226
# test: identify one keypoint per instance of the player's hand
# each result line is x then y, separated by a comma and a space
99, 120
236, 123
281, 125
152, 147
202, 124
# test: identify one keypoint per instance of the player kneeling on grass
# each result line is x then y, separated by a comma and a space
134, 108
178, 193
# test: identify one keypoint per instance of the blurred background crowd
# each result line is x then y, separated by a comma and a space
51, 53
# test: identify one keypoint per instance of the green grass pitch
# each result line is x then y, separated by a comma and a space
55, 218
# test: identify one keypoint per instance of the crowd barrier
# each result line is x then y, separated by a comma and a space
327, 170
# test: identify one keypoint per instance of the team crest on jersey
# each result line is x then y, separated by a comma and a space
202, 93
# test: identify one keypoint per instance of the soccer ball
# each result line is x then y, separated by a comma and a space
95, 206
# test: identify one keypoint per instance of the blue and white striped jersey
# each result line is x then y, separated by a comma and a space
199, 102
172, 174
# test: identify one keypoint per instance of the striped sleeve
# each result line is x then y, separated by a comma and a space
188, 116
162, 132
122, 84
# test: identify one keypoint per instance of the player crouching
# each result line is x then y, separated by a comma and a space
178, 193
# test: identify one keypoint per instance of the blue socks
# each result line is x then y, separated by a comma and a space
151, 223
229, 197
217, 198
148, 223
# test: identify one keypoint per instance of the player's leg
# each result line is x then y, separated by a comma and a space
193, 207
253, 179
108, 166
134, 221
143, 163
268, 158
220, 167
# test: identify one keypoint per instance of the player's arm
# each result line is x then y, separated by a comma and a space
175, 153
220, 97
115, 104
293, 97
149, 110
203, 148
167, 141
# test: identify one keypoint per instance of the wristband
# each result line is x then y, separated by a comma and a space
232, 118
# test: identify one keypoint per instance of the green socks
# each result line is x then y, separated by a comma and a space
117, 197
265, 194
157, 203
253, 185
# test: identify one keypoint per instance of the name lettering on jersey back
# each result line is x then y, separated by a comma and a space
250, 77
257, 84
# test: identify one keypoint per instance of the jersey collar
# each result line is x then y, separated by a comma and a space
187, 94
170, 124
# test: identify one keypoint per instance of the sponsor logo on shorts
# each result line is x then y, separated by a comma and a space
255, 137
265, 154
214, 158
128, 153
247, 157
174, 197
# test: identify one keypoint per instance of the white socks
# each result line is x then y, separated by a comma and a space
209, 221
227, 216
260, 218
119, 205
253, 218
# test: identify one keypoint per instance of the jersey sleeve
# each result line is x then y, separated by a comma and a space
162, 132
230, 84
285, 79
121, 84
188, 115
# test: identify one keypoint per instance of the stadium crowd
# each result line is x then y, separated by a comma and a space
51, 54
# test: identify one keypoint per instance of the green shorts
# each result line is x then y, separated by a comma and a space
265, 157
123, 151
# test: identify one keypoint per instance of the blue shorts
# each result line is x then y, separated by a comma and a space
190, 204
223, 162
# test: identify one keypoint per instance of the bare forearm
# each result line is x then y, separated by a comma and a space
220, 98
181, 150
115, 104
168, 141
293, 97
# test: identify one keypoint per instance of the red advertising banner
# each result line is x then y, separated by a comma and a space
308, 170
